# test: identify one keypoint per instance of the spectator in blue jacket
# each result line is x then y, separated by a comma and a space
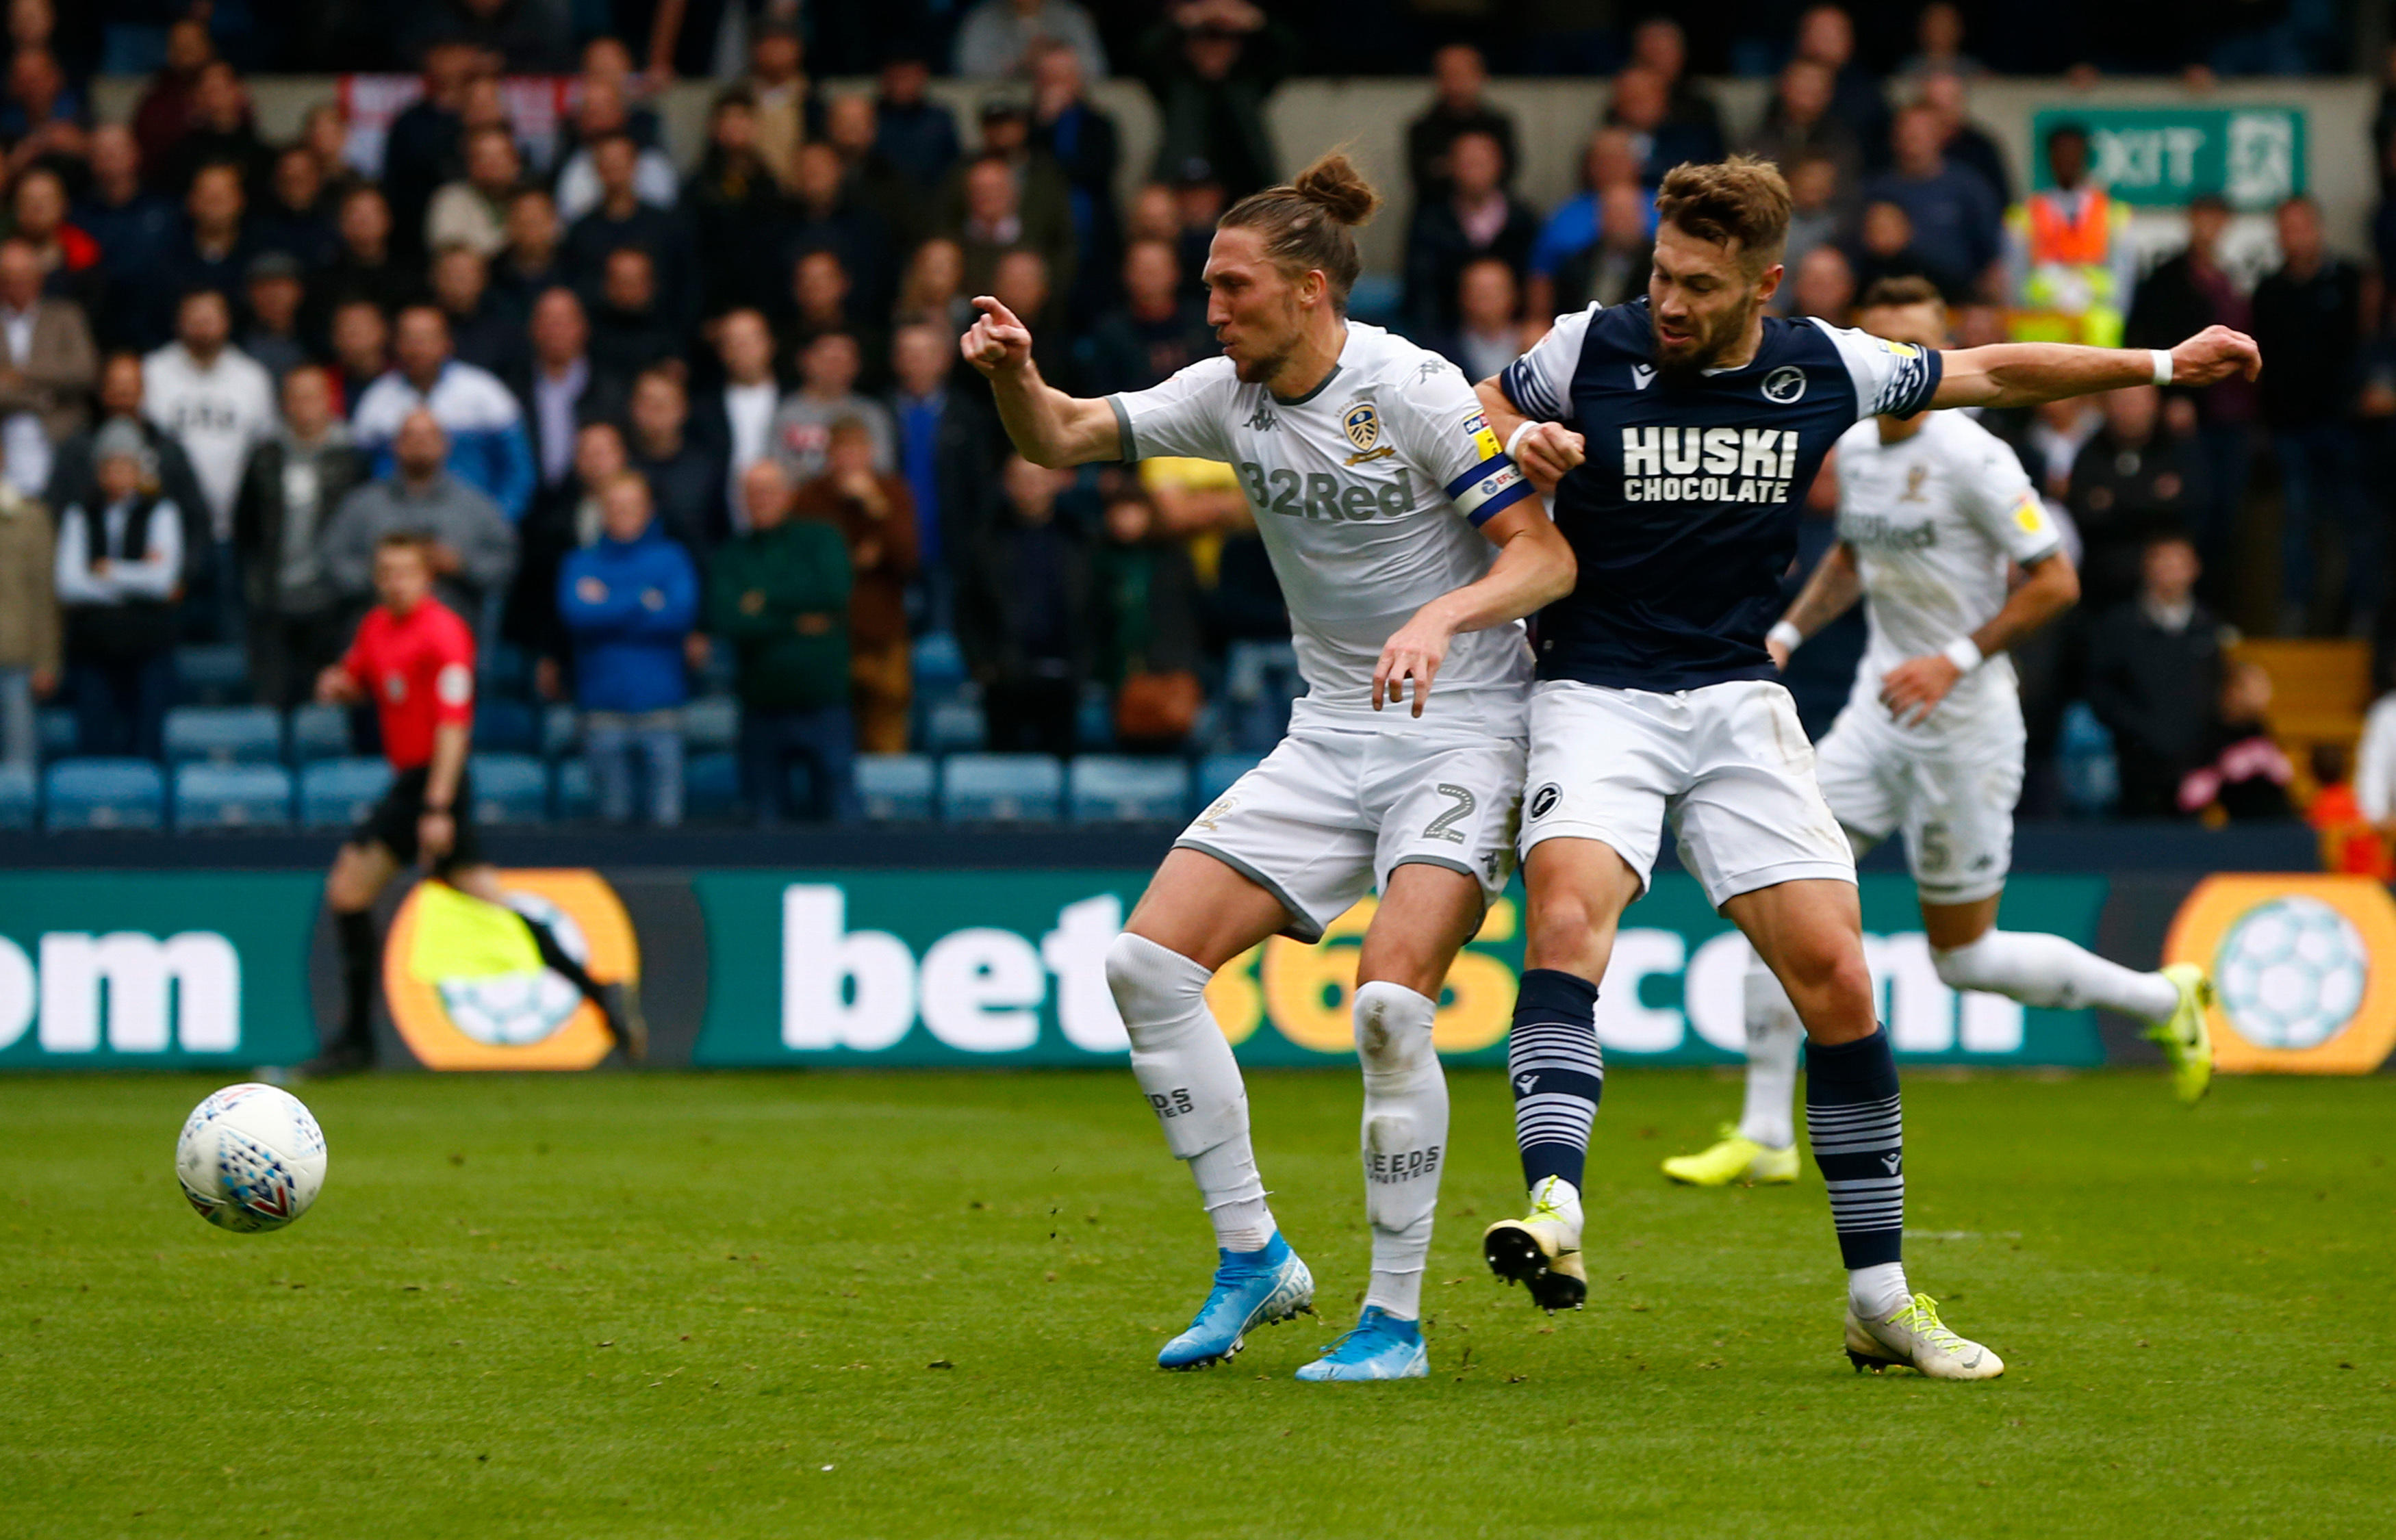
629, 601
489, 447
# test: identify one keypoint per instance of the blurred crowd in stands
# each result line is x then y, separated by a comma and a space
689, 434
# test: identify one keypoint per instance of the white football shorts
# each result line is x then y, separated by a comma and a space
1951, 793
1332, 812
1727, 766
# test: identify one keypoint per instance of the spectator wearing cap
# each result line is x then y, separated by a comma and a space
32, 654
473, 210
914, 131
785, 109
1459, 105
999, 37
119, 571
1212, 65
1477, 219
473, 550
289, 491
620, 217
47, 368
875, 516
219, 403
483, 426
827, 392
295, 216
483, 331
629, 601
779, 595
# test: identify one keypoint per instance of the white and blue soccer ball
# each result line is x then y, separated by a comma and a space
251, 1158
2291, 973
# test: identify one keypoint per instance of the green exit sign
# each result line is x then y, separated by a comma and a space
2163, 156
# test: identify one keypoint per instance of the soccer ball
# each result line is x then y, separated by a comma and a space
2291, 973
251, 1158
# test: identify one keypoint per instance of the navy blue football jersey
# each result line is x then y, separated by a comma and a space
1684, 514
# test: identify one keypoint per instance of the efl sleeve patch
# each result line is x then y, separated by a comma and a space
454, 687
1488, 489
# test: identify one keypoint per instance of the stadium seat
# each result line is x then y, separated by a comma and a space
334, 793
711, 725
506, 727
897, 787
232, 796
710, 787
1117, 788
509, 789
953, 727
104, 793
571, 798
1000, 788
17, 797
1216, 772
318, 731
224, 735
939, 663
213, 673
561, 731
59, 730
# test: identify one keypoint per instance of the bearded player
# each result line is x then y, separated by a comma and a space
1931, 511
1408, 546
1686, 428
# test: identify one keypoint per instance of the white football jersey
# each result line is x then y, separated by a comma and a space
1933, 520
1368, 492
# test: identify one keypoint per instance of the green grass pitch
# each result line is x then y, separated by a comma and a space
726, 1305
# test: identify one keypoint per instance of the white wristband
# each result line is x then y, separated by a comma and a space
1786, 634
1516, 437
1964, 653
2163, 365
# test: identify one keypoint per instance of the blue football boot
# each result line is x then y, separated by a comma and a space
1251, 1288
1380, 1347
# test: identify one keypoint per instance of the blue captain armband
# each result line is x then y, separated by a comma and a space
1488, 489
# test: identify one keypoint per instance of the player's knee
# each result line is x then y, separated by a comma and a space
1828, 977
1392, 1028
1561, 933
1151, 983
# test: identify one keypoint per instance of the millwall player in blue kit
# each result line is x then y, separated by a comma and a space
1686, 428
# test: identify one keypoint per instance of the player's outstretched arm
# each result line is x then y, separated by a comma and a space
1534, 567
1545, 453
1913, 689
1049, 427
2022, 374
1831, 590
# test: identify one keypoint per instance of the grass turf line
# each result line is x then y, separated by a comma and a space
663, 1304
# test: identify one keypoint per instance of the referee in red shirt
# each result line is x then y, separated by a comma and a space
415, 658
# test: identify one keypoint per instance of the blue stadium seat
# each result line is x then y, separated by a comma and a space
232, 796
711, 725
1112, 787
59, 731
509, 789
506, 727
224, 735
318, 732
1216, 772
1001, 787
954, 726
17, 797
334, 793
570, 796
212, 673
104, 793
561, 731
939, 663
896, 785
710, 787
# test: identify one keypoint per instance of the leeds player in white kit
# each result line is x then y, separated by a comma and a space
1931, 511
1407, 546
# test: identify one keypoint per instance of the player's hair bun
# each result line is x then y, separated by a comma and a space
1340, 189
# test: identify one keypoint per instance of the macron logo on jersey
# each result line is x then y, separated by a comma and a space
1748, 465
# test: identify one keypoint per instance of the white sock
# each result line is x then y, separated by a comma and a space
1773, 1036
1563, 1197
2038, 969
1406, 1139
1192, 1084
1877, 1292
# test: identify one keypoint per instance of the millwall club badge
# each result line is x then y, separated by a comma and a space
1785, 384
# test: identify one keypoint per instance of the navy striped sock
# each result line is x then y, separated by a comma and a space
1557, 1074
1858, 1129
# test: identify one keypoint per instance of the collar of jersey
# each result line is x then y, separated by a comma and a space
1321, 386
